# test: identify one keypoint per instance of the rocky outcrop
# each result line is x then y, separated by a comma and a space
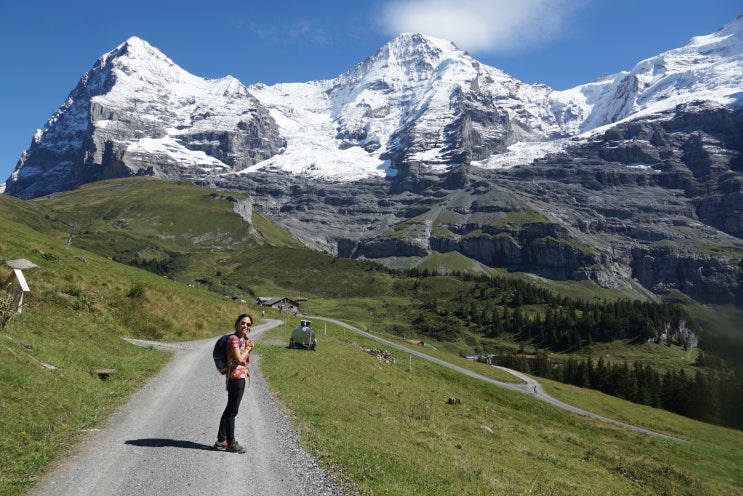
703, 277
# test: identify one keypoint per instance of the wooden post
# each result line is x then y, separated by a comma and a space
24, 287
17, 276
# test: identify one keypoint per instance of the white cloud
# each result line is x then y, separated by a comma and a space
495, 26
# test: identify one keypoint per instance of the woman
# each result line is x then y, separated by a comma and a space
238, 357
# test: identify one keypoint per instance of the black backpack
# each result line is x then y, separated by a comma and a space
220, 353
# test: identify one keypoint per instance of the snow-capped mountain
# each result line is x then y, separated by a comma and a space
136, 112
408, 103
420, 148
707, 68
418, 100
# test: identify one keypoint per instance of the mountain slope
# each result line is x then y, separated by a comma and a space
633, 180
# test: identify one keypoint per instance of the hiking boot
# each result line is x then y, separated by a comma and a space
235, 448
220, 445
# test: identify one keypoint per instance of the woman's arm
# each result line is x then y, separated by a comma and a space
237, 357
244, 357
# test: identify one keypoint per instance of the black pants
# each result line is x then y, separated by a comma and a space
235, 390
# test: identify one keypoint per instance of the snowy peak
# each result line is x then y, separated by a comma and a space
412, 59
407, 47
134, 59
418, 103
367, 122
136, 49
706, 69
421, 99
140, 67
725, 42
416, 57
137, 112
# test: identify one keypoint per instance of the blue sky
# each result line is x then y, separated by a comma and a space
46, 45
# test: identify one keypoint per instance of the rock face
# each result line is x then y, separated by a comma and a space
634, 181
651, 203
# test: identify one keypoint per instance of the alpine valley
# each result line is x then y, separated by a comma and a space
633, 181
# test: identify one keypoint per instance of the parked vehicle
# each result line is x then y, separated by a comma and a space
303, 337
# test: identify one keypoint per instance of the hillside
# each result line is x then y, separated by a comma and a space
213, 239
79, 308
82, 303
389, 426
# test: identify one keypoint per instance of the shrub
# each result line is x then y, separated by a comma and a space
136, 291
7, 308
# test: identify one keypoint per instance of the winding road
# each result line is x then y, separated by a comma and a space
530, 386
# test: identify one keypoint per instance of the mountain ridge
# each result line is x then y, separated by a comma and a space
136, 66
422, 149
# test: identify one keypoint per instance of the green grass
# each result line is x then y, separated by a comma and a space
720, 250
521, 217
447, 262
711, 450
45, 411
386, 427
79, 309
662, 357
389, 429
154, 210
193, 229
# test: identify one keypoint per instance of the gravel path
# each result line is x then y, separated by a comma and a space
161, 441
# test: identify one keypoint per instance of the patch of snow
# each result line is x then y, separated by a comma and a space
521, 153
643, 166
171, 148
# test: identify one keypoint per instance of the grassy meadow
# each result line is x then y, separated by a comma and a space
389, 428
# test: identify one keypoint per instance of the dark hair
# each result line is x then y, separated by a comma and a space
242, 316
